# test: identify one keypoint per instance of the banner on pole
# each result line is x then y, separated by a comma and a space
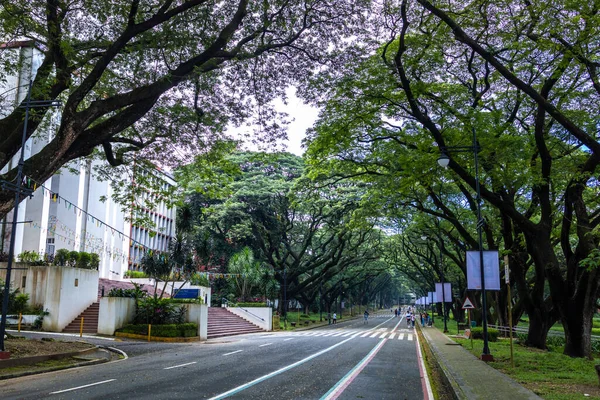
447, 292
491, 270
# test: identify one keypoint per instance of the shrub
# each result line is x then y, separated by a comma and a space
119, 292
61, 256
37, 324
154, 310
135, 274
251, 305
29, 257
168, 330
187, 301
19, 304
478, 334
72, 258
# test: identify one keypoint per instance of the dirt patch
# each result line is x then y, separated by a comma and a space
20, 347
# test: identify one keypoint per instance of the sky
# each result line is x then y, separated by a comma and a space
304, 116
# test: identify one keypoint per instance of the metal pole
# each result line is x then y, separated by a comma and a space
284, 308
443, 283
486, 356
11, 249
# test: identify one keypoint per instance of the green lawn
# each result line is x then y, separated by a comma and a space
550, 374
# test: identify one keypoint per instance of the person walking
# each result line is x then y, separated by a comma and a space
412, 320
422, 319
334, 318
366, 321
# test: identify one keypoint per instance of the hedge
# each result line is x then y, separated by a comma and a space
251, 305
170, 330
477, 333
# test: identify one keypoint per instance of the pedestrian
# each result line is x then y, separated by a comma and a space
408, 319
334, 318
366, 317
422, 319
412, 320
395, 313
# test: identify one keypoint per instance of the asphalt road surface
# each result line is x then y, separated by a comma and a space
348, 360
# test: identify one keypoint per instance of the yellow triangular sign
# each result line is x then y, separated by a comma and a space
467, 304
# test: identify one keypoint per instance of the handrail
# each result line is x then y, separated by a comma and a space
251, 313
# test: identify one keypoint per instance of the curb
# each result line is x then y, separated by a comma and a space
446, 376
60, 356
158, 339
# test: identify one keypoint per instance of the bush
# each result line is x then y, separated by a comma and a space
118, 292
168, 330
29, 257
477, 333
251, 305
19, 304
187, 301
135, 274
61, 256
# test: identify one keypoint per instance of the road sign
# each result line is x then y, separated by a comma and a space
467, 305
187, 294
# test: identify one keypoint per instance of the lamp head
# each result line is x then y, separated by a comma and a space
443, 160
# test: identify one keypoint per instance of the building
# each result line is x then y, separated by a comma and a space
67, 211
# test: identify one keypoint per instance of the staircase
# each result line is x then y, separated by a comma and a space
224, 323
90, 320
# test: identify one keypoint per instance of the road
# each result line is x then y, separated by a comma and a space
348, 360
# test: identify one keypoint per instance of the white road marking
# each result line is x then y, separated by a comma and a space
383, 335
428, 392
81, 387
392, 335
410, 337
285, 340
266, 344
348, 334
182, 365
365, 334
375, 334
275, 373
233, 352
338, 334
401, 336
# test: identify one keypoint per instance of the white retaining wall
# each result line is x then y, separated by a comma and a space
260, 316
198, 313
69, 291
115, 312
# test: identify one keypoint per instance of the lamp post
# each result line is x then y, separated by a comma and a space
19, 190
441, 265
444, 161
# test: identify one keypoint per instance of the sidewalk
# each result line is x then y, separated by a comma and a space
469, 377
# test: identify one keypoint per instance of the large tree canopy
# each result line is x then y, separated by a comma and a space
523, 77
159, 78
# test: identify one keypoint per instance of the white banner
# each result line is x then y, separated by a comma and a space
491, 270
447, 292
431, 297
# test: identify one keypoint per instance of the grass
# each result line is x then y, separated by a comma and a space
300, 318
550, 374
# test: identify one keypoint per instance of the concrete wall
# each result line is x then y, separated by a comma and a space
69, 291
34, 277
260, 316
115, 312
198, 313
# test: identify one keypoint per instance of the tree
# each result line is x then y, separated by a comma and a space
528, 87
162, 79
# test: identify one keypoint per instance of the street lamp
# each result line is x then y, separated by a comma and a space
19, 190
444, 161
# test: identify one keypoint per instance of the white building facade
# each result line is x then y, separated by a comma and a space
67, 211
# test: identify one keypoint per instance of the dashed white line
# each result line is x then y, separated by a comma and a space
233, 352
181, 365
285, 340
81, 387
375, 334
410, 337
266, 344
365, 334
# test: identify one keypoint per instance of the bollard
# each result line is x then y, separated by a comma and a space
81, 328
149, 330
20, 317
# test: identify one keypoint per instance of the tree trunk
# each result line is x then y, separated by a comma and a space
538, 329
